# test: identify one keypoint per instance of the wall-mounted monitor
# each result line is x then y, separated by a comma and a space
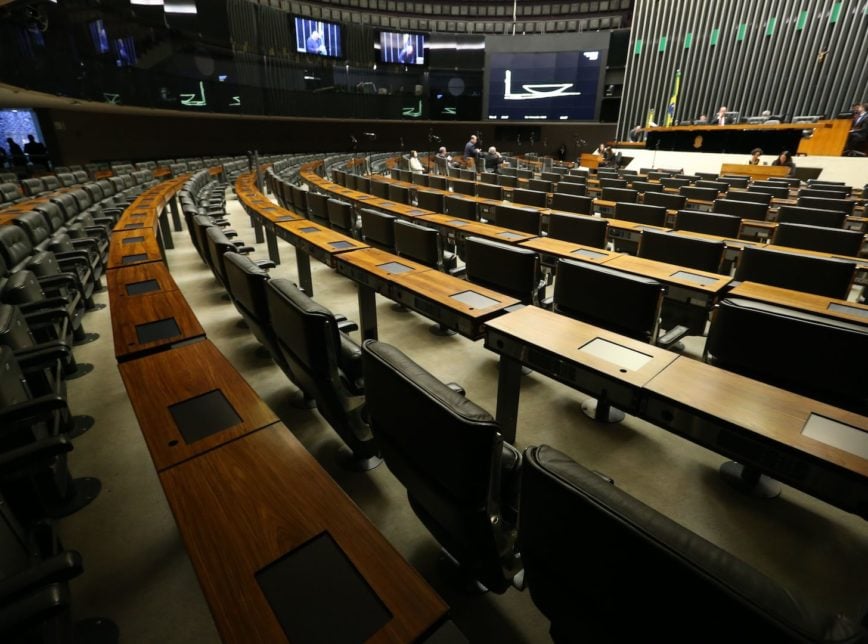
125, 51
318, 38
16, 123
548, 86
99, 36
403, 48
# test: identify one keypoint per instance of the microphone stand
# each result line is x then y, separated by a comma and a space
654, 156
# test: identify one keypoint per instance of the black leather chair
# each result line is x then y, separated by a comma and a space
819, 238
627, 304
342, 217
423, 244
459, 473
34, 588
572, 203
776, 190
527, 220
429, 200
641, 213
506, 269
608, 182
698, 194
701, 254
326, 365
460, 207
829, 277
579, 229
708, 223
816, 356
788, 214
753, 197
619, 195
488, 191
741, 209
572, 188
665, 200
378, 229
596, 559
647, 187
529, 197
841, 205
44, 488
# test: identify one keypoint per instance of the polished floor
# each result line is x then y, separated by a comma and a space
136, 568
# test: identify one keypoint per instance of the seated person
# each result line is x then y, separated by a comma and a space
407, 55
755, 155
315, 45
415, 164
786, 159
493, 160
611, 159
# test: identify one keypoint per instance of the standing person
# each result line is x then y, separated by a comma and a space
36, 152
785, 159
722, 118
636, 133
16, 154
755, 155
562, 152
471, 151
859, 132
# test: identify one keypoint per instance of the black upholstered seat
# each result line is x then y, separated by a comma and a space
579, 229
459, 474
692, 252
596, 559
423, 244
378, 229
709, 223
325, 364
829, 277
819, 238
507, 269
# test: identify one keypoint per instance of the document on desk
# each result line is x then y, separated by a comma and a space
620, 356
837, 434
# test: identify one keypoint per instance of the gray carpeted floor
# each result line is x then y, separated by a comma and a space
136, 569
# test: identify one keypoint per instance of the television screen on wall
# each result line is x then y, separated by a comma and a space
403, 48
99, 36
318, 38
547, 86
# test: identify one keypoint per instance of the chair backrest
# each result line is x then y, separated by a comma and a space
829, 277
460, 207
10, 192
674, 182
489, 191
770, 188
842, 205
646, 187
720, 186
35, 226
446, 451
641, 213
317, 207
665, 199
541, 185
378, 229
607, 182
432, 201
708, 223
529, 197
341, 216
488, 177
579, 229
741, 209
825, 192
527, 220
14, 330
15, 248
572, 203
246, 283
399, 194
571, 188
53, 183
507, 269
746, 195
626, 549
811, 216
699, 194
692, 252
735, 181
419, 243
507, 180
464, 187
615, 300
619, 195
441, 183
218, 245
816, 356
825, 240
419, 179
32, 187
299, 200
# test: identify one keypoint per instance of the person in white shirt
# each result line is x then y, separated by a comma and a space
721, 117
415, 163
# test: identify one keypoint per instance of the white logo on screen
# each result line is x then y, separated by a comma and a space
591, 55
535, 91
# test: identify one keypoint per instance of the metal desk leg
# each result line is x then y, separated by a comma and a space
271, 243
508, 389
176, 215
367, 312
302, 261
257, 229
166, 229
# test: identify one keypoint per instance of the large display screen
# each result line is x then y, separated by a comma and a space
549, 86
318, 37
402, 48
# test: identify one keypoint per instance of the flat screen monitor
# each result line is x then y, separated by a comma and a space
125, 51
402, 48
549, 86
318, 38
17, 123
99, 36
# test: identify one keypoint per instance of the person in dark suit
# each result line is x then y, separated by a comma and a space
858, 135
493, 160
722, 117
785, 159
16, 154
471, 150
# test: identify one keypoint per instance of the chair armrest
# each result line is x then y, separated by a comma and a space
36, 453
46, 314
70, 256
230, 233
672, 336
30, 409
266, 264
35, 608
350, 364
458, 389
39, 356
61, 279
345, 325
57, 569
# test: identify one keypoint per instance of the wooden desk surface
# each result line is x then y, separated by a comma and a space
320, 236
154, 383
666, 273
623, 224
754, 171
133, 247
440, 287
809, 302
262, 496
570, 250
735, 126
468, 227
565, 337
152, 308
763, 409
119, 278
371, 260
